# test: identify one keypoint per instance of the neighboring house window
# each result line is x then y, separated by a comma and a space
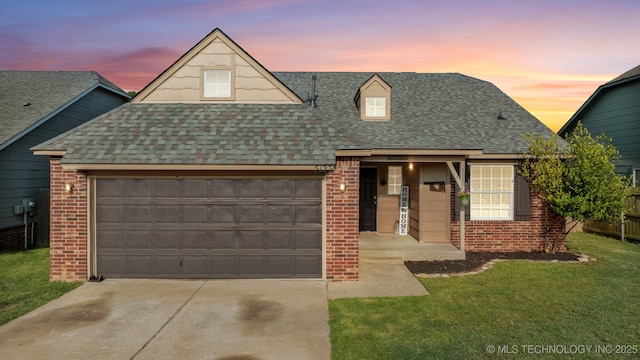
375, 106
217, 83
636, 177
395, 180
491, 192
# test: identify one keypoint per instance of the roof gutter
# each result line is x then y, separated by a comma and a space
189, 167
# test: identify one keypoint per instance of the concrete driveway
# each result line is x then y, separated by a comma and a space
181, 319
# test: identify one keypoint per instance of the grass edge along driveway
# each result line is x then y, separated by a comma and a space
517, 309
25, 285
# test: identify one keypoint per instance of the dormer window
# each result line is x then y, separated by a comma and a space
373, 99
375, 107
217, 84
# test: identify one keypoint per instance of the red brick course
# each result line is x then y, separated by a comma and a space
485, 235
68, 224
12, 238
342, 222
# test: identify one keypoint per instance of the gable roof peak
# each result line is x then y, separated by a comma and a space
200, 56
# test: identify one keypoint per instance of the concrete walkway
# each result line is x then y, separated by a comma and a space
181, 319
382, 270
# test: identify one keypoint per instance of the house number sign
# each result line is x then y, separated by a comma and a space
404, 210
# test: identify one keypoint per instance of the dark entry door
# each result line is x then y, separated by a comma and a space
368, 199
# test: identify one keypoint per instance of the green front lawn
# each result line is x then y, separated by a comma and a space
24, 283
517, 309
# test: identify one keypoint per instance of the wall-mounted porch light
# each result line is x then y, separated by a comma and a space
343, 187
410, 166
68, 187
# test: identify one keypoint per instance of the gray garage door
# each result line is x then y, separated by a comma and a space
209, 228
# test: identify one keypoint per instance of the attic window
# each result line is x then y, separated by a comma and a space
373, 99
217, 84
375, 106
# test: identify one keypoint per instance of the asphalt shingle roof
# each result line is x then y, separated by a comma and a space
44, 91
428, 111
195, 133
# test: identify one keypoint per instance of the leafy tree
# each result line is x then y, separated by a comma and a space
577, 178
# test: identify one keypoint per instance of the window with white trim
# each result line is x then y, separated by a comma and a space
491, 188
217, 83
395, 180
636, 177
375, 106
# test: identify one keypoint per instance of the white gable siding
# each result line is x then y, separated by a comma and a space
184, 85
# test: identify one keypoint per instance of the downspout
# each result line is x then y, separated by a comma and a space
24, 221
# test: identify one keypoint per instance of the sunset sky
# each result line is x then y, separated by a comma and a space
549, 55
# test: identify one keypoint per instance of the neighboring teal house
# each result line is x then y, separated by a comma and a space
614, 109
36, 106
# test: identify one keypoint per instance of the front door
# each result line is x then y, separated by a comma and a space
368, 199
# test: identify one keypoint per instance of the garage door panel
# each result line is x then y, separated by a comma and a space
109, 189
308, 240
138, 265
166, 240
209, 228
136, 188
109, 214
251, 265
280, 265
251, 214
195, 240
279, 240
140, 214
110, 239
137, 239
224, 240
251, 240
224, 266
280, 214
223, 189
196, 188
308, 189
308, 214
165, 214
165, 189
280, 189
195, 214
223, 214
111, 265
308, 265
167, 265
196, 265
250, 189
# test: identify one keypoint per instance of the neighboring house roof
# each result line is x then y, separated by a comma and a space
29, 98
631, 75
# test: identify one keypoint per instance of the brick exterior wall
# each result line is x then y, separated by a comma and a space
68, 224
12, 238
342, 222
510, 236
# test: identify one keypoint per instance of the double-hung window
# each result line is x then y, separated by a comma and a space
491, 192
217, 83
395, 180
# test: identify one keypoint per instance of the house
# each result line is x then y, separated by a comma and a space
614, 109
36, 106
221, 169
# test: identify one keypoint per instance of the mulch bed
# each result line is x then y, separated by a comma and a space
474, 261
